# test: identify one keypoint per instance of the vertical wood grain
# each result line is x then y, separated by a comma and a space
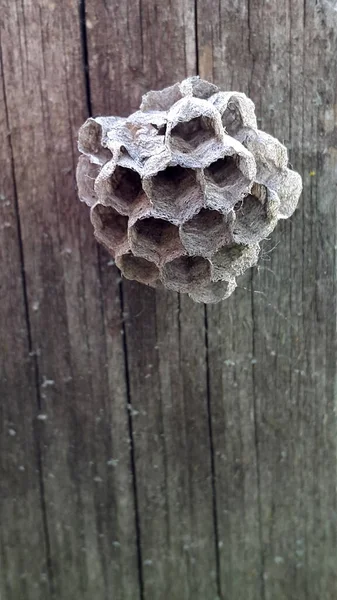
83, 426
284, 57
151, 447
22, 511
165, 341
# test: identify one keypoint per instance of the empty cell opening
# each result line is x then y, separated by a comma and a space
121, 189
251, 218
204, 223
156, 239
176, 193
231, 119
225, 171
173, 179
205, 233
187, 136
137, 268
110, 226
126, 184
186, 273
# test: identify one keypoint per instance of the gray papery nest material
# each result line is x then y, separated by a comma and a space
183, 190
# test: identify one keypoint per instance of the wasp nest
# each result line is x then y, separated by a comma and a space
183, 190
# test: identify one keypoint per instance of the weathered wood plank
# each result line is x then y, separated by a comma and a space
178, 454
22, 573
230, 336
274, 53
165, 342
79, 344
223, 59
299, 428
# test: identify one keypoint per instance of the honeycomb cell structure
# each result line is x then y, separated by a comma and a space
182, 192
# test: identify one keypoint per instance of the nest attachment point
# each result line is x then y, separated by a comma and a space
183, 190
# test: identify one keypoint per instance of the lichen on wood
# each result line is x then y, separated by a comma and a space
183, 190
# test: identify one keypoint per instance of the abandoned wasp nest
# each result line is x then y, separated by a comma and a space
183, 190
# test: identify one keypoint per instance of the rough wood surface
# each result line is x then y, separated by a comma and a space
24, 573
169, 451
291, 312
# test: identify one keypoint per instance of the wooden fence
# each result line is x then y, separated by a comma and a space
152, 448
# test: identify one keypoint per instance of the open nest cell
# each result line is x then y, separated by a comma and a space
232, 119
224, 172
256, 216
138, 268
155, 239
91, 138
205, 233
110, 227
225, 183
187, 136
121, 189
186, 273
175, 193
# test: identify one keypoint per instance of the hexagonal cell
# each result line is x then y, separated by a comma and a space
288, 186
232, 261
189, 135
237, 111
175, 193
164, 99
138, 269
92, 138
161, 99
213, 292
225, 183
186, 273
232, 119
141, 136
224, 172
194, 132
270, 155
110, 228
155, 239
86, 174
149, 133
119, 187
198, 87
256, 215
207, 232
272, 171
